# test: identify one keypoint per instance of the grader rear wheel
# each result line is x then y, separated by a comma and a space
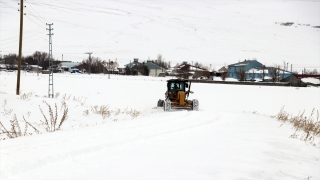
195, 105
167, 105
160, 103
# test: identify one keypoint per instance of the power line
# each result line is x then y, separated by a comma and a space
25, 33
33, 21
35, 12
8, 6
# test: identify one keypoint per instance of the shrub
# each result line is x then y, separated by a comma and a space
309, 125
15, 130
102, 110
51, 124
26, 96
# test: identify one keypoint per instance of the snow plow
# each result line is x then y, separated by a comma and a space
176, 96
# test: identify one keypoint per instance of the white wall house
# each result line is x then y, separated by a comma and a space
67, 66
155, 70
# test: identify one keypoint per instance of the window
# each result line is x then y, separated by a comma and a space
177, 86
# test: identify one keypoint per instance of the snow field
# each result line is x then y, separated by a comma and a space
231, 137
211, 32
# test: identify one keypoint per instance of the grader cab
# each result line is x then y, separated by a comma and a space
177, 94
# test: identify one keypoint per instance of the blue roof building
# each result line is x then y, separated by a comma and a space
245, 65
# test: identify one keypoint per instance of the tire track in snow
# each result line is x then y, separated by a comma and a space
169, 123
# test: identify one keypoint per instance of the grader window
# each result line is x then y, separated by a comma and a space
172, 86
176, 86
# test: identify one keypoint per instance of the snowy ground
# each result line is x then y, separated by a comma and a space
311, 80
232, 136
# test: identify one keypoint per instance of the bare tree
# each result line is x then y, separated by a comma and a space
11, 60
97, 65
311, 72
199, 65
295, 72
251, 74
112, 66
263, 67
315, 72
42, 57
284, 67
161, 62
139, 69
274, 73
241, 74
224, 75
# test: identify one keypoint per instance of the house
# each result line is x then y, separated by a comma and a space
67, 66
35, 68
154, 69
287, 24
257, 73
277, 74
294, 81
303, 80
111, 67
245, 65
186, 70
302, 76
267, 73
3, 66
223, 70
121, 68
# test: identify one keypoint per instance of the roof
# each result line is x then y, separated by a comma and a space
223, 69
300, 76
311, 80
151, 65
69, 64
177, 80
35, 66
186, 66
243, 63
131, 64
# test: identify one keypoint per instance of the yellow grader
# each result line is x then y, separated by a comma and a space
176, 96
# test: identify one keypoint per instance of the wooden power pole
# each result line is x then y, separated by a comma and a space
20, 48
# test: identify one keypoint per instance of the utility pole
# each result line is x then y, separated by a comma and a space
62, 70
196, 72
50, 90
38, 65
156, 69
109, 70
5, 60
89, 61
20, 47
